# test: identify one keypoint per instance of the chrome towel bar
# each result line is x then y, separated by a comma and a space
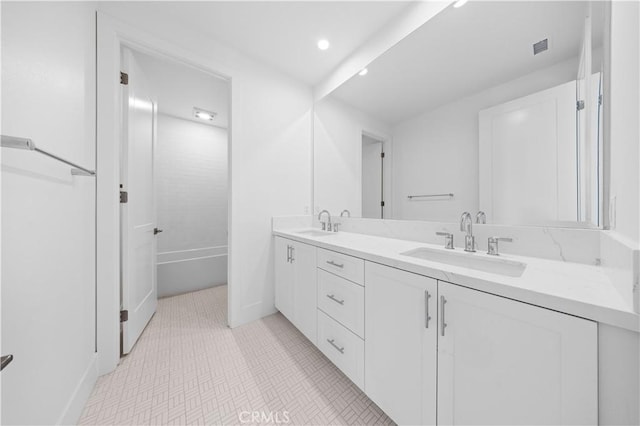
411, 197
28, 144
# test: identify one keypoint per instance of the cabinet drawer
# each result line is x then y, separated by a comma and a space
342, 300
348, 267
342, 347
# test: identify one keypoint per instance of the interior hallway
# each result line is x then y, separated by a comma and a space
189, 368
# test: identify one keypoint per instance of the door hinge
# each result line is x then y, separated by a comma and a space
124, 316
382, 155
124, 197
381, 203
124, 78
580, 105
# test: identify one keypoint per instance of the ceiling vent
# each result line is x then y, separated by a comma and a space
540, 46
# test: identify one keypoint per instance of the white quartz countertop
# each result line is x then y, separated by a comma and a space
572, 288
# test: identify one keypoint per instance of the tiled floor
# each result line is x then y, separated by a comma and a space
190, 368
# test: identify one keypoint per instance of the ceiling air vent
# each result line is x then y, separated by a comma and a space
540, 46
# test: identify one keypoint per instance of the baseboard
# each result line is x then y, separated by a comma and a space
78, 400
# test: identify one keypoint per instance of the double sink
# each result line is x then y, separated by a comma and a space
478, 262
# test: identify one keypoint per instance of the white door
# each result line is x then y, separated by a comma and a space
502, 362
400, 343
303, 259
527, 154
284, 277
138, 251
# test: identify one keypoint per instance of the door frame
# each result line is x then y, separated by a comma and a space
111, 36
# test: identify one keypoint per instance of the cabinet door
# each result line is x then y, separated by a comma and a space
506, 362
284, 277
400, 343
304, 289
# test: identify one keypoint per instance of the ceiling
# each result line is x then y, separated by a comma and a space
463, 51
179, 88
282, 34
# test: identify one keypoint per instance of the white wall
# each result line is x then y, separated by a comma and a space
338, 155
624, 136
437, 152
191, 161
270, 158
192, 205
48, 216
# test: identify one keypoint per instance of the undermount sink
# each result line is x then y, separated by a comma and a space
314, 233
475, 261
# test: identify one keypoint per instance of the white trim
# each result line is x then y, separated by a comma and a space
73, 410
191, 259
111, 36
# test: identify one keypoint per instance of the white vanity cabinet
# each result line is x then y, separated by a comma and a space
432, 352
400, 349
295, 284
504, 362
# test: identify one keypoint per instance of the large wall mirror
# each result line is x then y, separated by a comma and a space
493, 107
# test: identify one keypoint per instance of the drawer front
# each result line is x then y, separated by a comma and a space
342, 300
348, 267
342, 347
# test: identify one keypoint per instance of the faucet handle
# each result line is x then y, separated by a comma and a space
492, 244
448, 239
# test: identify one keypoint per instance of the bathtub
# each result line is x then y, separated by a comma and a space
190, 270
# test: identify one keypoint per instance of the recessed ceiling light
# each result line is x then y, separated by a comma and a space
323, 44
203, 115
460, 3
364, 71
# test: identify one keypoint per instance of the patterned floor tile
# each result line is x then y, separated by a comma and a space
189, 368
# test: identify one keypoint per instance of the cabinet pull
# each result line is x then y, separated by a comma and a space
333, 297
293, 250
6, 360
427, 317
288, 253
337, 265
338, 348
442, 323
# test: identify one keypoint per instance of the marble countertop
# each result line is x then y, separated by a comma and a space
572, 288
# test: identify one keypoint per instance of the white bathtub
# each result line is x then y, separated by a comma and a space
190, 270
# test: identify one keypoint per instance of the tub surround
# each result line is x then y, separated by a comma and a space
580, 289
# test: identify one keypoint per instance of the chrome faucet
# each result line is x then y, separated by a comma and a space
481, 217
466, 225
326, 226
345, 211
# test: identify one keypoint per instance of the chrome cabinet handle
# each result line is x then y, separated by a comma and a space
338, 348
427, 317
6, 360
442, 323
293, 250
332, 297
288, 253
337, 265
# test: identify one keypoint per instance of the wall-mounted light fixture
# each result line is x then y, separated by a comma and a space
203, 114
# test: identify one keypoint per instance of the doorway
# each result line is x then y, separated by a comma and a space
372, 177
174, 185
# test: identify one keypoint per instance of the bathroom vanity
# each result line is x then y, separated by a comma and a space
436, 343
